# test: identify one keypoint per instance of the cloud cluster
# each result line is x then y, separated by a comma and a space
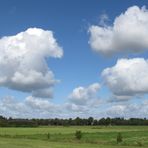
128, 77
40, 104
82, 95
10, 107
23, 63
128, 34
132, 110
33, 107
30, 107
82, 98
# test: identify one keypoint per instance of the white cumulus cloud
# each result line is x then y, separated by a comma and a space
128, 34
40, 104
128, 77
83, 95
23, 64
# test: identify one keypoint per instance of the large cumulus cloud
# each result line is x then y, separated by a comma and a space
129, 33
129, 77
23, 63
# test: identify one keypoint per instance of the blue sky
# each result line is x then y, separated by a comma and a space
80, 65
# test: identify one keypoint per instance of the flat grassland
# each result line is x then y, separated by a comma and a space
64, 137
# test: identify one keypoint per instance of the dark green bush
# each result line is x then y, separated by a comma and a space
119, 138
139, 143
48, 135
78, 135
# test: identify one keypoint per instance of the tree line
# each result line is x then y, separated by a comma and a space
12, 122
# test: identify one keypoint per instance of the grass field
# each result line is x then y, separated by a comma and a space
64, 137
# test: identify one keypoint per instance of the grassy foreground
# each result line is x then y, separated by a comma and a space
63, 137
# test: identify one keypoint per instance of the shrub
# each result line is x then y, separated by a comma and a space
78, 135
119, 138
139, 143
48, 136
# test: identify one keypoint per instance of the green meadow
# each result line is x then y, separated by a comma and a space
64, 137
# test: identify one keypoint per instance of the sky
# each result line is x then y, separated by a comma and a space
72, 58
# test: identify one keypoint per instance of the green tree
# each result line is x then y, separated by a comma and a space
90, 120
